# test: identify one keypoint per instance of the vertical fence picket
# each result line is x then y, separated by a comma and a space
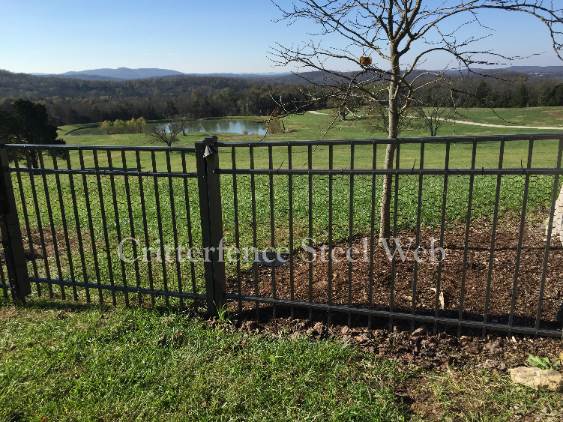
117, 223
418, 229
25, 212
549, 234
132, 231
48, 205
72, 186
350, 228
93, 245
310, 227
272, 225
521, 230
236, 225
32, 165
372, 234
466, 247
62, 207
437, 304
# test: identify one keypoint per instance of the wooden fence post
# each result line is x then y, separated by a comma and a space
211, 222
11, 233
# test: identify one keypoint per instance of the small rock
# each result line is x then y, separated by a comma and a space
417, 346
537, 378
494, 364
442, 299
345, 330
493, 347
316, 330
418, 332
362, 339
249, 325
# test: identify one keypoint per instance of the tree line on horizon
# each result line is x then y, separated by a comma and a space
77, 101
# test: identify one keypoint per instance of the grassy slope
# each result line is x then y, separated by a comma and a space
533, 116
83, 364
314, 126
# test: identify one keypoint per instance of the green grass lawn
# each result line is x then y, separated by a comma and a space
532, 116
123, 364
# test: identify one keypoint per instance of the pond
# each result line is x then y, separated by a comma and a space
230, 126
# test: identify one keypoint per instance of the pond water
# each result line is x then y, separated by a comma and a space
230, 126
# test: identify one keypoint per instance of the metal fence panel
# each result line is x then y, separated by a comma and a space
292, 226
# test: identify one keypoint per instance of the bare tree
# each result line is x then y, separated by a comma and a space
436, 108
401, 35
182, 122
167, 133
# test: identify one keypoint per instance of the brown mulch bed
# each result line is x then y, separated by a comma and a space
356, 292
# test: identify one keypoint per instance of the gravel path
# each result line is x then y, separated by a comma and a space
470, 123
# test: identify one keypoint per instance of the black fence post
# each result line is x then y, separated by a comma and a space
211, 222
11, 234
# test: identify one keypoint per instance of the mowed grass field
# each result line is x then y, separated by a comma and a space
80, 362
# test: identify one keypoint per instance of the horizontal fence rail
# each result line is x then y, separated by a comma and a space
293, 227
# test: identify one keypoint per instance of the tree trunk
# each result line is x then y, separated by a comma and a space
557, 231
393, 133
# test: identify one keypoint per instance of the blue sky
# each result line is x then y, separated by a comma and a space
196, 36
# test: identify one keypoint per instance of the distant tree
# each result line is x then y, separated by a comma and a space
554, 95
522, 96
182, 123
171, 110
436, 108
141, 123
119, 126
167, 134
482, 92
25, 122
344, 108
131, 125
106, 126
275, 124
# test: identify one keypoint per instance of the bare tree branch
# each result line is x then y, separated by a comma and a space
401, 34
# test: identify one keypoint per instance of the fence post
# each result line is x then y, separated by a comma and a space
11, 234
211, 222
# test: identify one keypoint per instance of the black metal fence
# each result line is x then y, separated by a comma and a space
293, 227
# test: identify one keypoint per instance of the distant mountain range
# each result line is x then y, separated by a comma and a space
143, 83
128, 74
119, 74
